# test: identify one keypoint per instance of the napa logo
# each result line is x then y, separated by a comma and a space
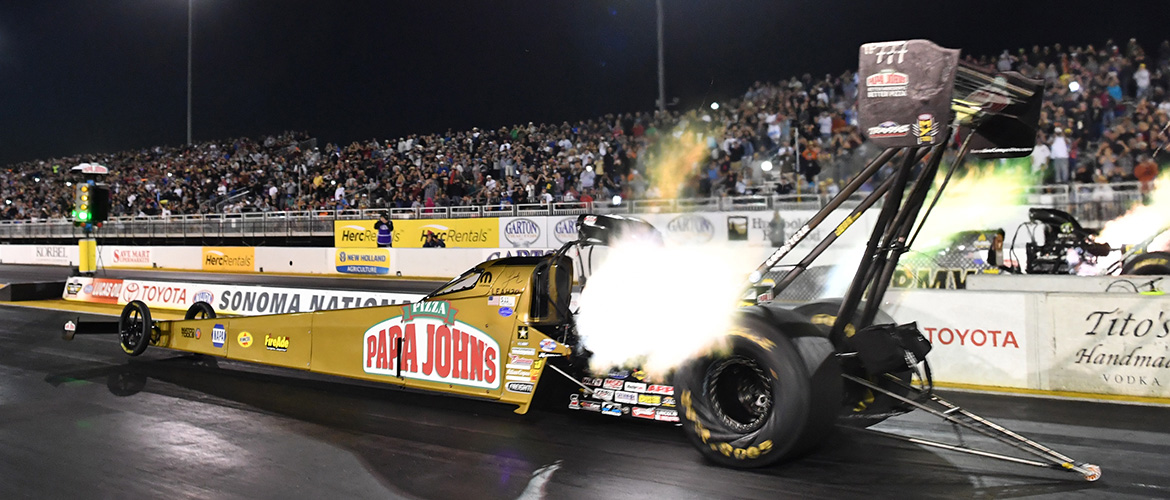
566, 230
521, 232
362, 261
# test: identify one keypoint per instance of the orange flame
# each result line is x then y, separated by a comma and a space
1143, 220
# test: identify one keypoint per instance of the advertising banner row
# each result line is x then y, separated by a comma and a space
1096, 343
756, 228
225, 299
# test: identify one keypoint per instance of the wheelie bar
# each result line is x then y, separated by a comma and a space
952, 413
78, 327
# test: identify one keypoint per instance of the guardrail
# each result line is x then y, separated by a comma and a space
1091, 203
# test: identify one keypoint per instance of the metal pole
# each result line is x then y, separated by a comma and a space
190, 23
661, 63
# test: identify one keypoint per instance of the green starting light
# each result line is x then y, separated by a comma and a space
82, 215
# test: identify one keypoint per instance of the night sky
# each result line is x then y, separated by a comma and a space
82, 76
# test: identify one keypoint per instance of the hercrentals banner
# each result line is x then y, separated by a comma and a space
225, 299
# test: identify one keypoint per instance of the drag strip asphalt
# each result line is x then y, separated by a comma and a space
81, 419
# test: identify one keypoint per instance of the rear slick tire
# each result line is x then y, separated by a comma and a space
1148, 264
860, 407
768, 397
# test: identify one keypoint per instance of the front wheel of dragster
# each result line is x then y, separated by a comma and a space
135, 327
200, 310
768, 396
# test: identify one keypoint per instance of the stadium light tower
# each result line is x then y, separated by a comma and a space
661, 63
190, 11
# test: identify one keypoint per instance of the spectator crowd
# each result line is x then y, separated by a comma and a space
1104, 120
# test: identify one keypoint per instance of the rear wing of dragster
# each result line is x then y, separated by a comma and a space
913, 99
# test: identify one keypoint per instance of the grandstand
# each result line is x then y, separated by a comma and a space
1103, 131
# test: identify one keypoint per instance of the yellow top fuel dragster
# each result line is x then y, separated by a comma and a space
787, 376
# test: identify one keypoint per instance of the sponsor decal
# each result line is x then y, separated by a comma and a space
639, 374
439, 309
244, 339
590, 406
635, 387
886, 52
515, 361
132, 256
521, 232
639, 412
989, 151
257, 300
72, 288
355, 234
619, 374
610, 383
502, 300
522, 333
107, 290
974, 337
88, 289
279, 343
647, 399
218, 335
519, 387
203, 296
665, 415
574, 402
887, 129
524, 351
537, 364
362, 260
52, 255
591, 381
435, 347
887, 83
603, 394
154, 293
505, 311
625, 397
565, 230
664, 390
690, 228
519, 373
233, 259
455, 233
548, 345
611, 409
518, 252
550, 355
70, 326
187, 332
925, 129
668, 401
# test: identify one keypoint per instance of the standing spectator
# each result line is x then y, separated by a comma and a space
385, 232
1059, 148
1040, 155
1141, 77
